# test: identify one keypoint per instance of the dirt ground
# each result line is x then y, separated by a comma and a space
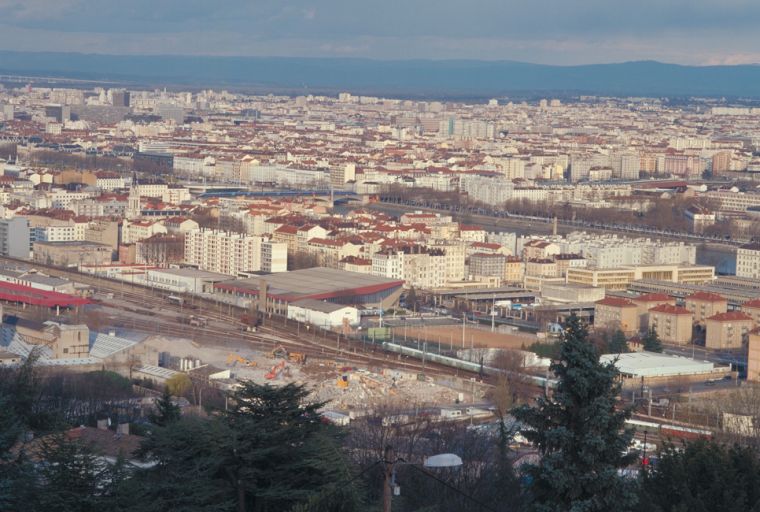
364, 389
452, 335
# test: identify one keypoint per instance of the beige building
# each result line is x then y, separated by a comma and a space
620, 278
705, 304
727, 330
648, 301
65, 341
752, 308
71, 254
539, 250
672, 323
541, 268
753, 356
515, 270
614, 313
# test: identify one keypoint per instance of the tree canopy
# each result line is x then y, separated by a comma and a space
579, 433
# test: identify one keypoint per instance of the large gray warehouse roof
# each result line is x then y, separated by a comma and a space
315, 283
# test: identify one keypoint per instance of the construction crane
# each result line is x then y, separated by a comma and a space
235, 358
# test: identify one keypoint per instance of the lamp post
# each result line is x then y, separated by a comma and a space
390, 488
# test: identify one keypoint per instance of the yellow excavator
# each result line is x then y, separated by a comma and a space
235, 358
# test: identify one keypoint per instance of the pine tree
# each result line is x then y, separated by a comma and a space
190, 472
617, 343
167, 412
579, 434
72, 477
279, 446
703, 475
651, 341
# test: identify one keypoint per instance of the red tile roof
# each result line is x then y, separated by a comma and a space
730, 316
754, 303
706, 297
616, 301
670, 309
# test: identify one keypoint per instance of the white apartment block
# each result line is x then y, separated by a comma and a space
232, 253
274, 257
748, 261
421, 270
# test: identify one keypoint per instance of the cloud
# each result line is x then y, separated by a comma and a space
551, 31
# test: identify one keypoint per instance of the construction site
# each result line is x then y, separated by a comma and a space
344, 386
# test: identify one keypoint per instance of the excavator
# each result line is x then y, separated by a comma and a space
275, 371
282, 352
235, 358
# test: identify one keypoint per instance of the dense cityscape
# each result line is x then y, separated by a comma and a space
228, 285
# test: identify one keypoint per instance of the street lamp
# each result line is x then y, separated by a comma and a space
390, 488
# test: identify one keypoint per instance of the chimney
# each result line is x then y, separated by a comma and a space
103, 424
123, 429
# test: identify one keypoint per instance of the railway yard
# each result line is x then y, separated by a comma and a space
346, 373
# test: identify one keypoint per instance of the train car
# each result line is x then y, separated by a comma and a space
684, 433
179, 301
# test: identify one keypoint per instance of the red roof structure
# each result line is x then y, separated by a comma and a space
28, 295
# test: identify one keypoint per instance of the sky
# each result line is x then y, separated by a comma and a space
564, 32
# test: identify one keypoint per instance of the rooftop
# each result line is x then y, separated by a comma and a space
315, 283
670, 309
651, 364
706, 297
618, 302
730, 316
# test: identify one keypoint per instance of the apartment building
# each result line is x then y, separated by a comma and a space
648, 301
748, 260
705, 304
231, 253
672, 323
136, 230
15, 238
616, 313
727, 331
484, 264
752, 308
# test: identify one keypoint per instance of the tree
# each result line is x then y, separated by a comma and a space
189, 474
617, 343
178, 384
703, 475
411, 299
579, 433
271, 451
651, 341
167, 412
72, 476
283, 452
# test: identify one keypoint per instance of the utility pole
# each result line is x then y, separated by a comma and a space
493, 313
464, 319
387, 478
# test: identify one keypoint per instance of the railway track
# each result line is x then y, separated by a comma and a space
159, 316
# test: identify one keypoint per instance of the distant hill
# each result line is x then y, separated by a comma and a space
436, 78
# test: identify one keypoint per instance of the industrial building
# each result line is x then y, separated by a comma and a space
323, 314
273, 292
638, 368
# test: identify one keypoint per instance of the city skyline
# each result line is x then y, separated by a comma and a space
545, 32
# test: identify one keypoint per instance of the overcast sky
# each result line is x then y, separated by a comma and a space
543, 31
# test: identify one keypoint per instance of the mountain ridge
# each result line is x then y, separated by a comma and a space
446, 77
